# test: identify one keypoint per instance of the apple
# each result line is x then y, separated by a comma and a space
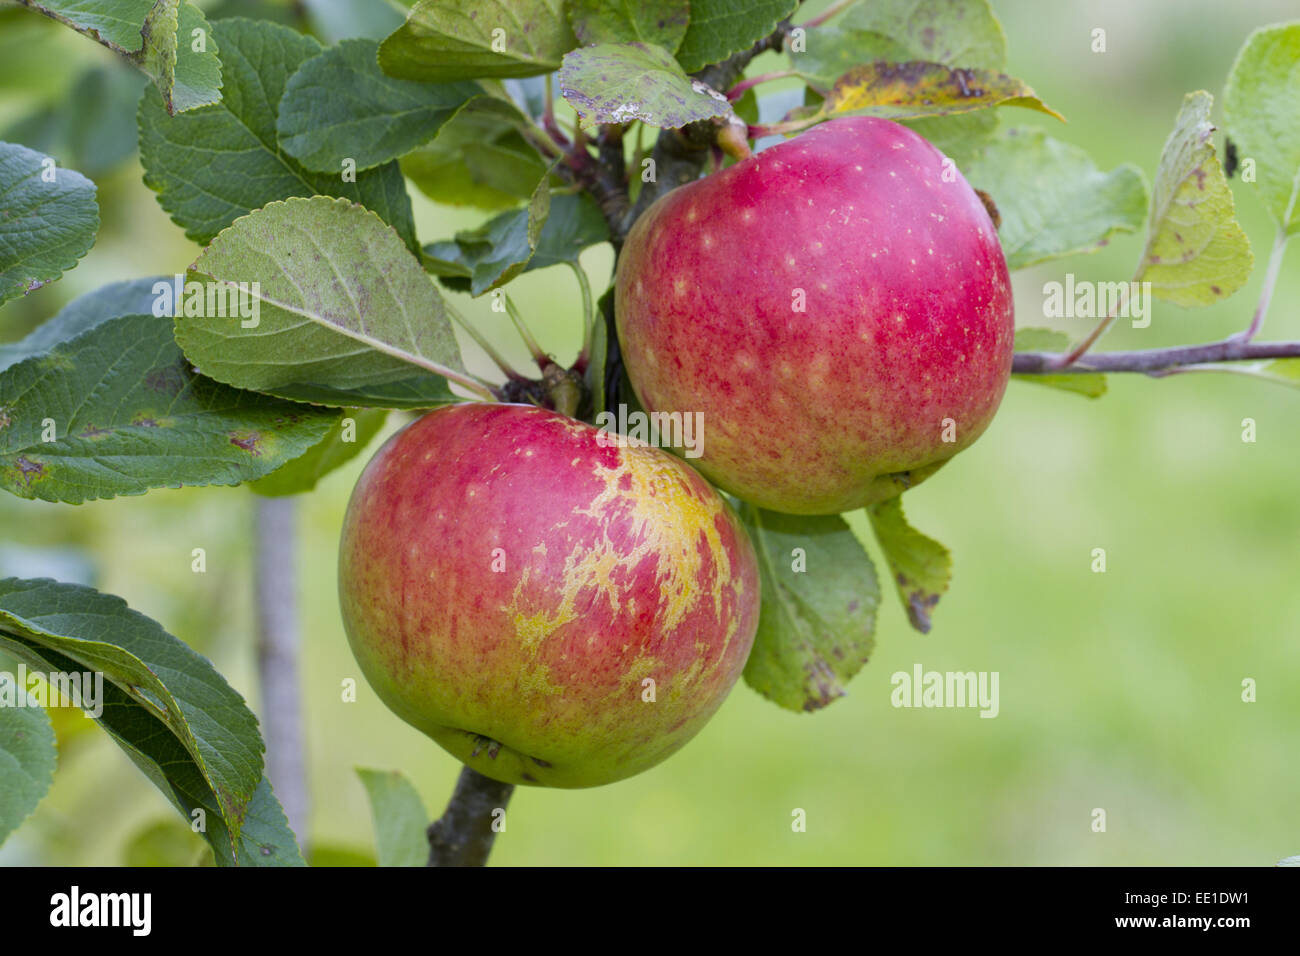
837, 307
549, 606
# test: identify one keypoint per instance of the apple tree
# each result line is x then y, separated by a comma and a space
529, 574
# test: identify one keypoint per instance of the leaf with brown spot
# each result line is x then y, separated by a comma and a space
304, 472
918, 88
165, 705
621, 82
819, 608
1196, 252
118, 434
921, 566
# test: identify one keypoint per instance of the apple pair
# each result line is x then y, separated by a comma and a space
554, 609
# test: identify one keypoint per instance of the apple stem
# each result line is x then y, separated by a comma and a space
737, 91
534, 349
482, 342
588, 313
781, 129
1270, 280
548, 118
464, 834
1079, 350
638, 153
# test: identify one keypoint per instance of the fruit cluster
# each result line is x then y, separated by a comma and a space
558, 609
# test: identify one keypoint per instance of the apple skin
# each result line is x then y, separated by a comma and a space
620, 564
907, 317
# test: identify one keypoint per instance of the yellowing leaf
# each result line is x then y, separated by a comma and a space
1196, 250
919, 88
921, 566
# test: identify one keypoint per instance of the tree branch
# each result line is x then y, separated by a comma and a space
463, 835
1154, 361
278, 642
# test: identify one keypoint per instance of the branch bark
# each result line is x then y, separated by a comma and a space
463, 835
1154, 361
278, 639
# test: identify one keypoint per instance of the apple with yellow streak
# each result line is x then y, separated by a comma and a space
551, 605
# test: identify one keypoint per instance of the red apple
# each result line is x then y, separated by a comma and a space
549, 607
837, 307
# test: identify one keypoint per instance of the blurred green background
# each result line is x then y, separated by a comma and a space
1119, 691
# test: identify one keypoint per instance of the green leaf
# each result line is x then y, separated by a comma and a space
618, 83
400, 818
212, 165
490, 256
1090, 384
820, 596
157, 57
621, 21
952, 32
341, 105
88, 310
719, 28
1196, 251
116, 410
46, 225
263, 839
921, 567
93, 126
574, 223
918, 89
342, 303
1052, 198
961, 136
28, 754
445, 40
159, 674
157, 37
478, 159
1261, 102
422, 390
346, 440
